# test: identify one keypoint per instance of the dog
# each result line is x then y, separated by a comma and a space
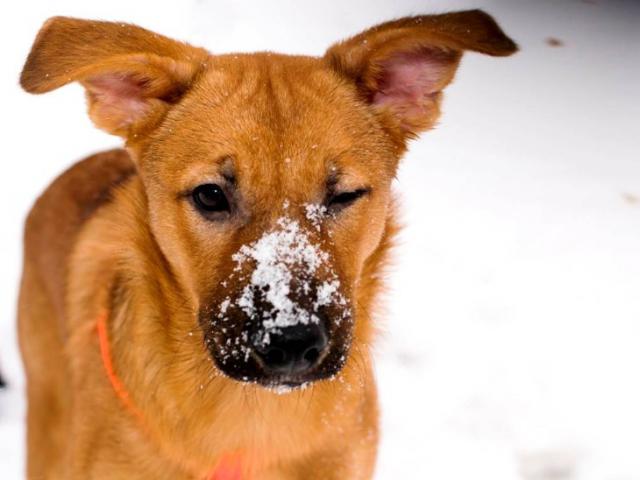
200, 304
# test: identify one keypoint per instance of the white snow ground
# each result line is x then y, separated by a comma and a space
510, 347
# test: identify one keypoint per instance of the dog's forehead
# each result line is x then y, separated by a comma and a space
282, 126
280, 119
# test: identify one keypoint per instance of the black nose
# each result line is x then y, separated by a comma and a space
293, 350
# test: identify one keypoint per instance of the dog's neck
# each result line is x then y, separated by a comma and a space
228, 467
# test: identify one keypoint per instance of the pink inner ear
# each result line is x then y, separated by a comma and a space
118, 96
408, 80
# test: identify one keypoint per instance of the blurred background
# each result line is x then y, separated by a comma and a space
510, 345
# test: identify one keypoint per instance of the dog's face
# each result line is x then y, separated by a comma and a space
268, 188
267, 177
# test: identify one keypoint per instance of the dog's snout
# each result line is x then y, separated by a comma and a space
293, 350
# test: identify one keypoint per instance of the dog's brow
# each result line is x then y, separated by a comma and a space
333, 178
227, 169
229, 177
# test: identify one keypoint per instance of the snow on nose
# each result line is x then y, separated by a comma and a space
284, 288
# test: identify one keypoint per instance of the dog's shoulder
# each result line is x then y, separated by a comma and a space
57, 216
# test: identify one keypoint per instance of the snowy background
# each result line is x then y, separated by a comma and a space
511, 346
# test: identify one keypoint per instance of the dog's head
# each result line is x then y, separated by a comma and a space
267, 177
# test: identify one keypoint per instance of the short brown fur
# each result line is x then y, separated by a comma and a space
114, 233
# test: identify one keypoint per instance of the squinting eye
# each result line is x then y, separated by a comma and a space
344, 199
210, 198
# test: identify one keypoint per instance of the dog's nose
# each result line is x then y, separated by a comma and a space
293, 350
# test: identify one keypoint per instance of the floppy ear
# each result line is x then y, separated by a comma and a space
401, 67
131, 75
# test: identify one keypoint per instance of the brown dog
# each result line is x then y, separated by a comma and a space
179, 295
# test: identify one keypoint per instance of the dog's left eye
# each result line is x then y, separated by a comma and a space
210, 198
344, 199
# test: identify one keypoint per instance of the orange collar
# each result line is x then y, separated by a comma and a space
229, 466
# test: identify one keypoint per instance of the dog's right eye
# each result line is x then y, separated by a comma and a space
210, 198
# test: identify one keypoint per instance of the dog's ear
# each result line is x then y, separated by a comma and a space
131, 75
401, 67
